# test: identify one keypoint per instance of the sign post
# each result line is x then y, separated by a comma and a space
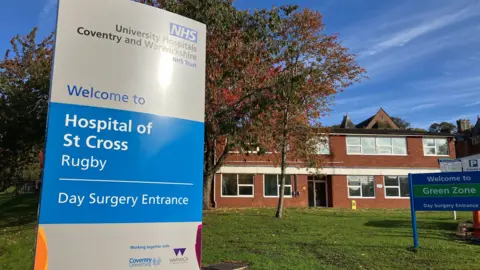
414, 214
455, 191
123, 177
451, 165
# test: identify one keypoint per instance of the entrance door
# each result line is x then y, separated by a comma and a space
317, 194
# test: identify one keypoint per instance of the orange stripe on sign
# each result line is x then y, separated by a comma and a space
41, 252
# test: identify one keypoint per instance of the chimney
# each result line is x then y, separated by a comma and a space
463, 125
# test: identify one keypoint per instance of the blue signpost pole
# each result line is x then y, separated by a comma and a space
414, 215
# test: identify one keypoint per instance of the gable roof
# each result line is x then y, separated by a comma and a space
347, 122
365, 122
476, 128
381, 119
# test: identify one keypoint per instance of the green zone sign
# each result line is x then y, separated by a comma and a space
459, 191
466, 190
453, 191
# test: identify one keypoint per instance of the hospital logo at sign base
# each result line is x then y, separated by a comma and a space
179, 256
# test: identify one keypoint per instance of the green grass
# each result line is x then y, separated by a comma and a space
18, 216
304, 239
336, 239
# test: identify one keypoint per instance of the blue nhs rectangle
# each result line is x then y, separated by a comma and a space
183, 32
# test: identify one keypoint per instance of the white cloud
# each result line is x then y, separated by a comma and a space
408, 33
457, 85
348, 101
430, 24
48, 11
472, 104
423, 106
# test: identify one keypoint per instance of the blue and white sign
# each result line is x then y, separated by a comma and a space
124, 152
454, 191
446, 191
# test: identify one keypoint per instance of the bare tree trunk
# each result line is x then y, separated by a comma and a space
207, 190
211, 166
279, 213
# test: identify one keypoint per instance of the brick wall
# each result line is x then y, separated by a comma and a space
337, 195
466, 148
259, 200
339, 157
341, 200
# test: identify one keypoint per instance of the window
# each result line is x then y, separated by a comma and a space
397, 187
435, 147
237, 185
376, 146
323, 146
361, 186
272, 185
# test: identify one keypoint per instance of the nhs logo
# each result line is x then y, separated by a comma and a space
183, 32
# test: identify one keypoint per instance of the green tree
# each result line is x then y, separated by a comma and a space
443, 127
401, 123
24, 90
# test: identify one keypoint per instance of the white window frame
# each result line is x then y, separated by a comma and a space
376, 146
361, 195
435, 147
278, 186
325, 145
238, 187
398, 187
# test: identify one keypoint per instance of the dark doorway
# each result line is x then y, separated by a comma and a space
317, 193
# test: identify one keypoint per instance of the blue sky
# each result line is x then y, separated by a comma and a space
422, 57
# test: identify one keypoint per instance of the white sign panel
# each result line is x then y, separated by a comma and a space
451, 166
126, 117
471, 165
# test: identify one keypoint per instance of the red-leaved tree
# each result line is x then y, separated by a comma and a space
310, 67
238, 73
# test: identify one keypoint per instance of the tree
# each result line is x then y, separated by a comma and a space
24, 90
401, 123
310, 66
238, 73
443, 127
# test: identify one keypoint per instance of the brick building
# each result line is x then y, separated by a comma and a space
467, 141
367, 163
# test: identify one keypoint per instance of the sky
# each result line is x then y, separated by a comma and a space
421, 57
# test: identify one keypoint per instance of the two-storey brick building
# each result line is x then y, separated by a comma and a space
367, 163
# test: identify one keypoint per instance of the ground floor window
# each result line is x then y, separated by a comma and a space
361, 186
237, 185
271, 185
396, 187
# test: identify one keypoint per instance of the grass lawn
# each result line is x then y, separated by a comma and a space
304, 239
18, 217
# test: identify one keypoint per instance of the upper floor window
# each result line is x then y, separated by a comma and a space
435, 147
237, 185
376, 146
272, 185
323, 146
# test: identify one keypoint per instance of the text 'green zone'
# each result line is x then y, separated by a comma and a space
458, 190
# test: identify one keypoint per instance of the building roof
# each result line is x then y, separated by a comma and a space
347, 122
399, 132
476, 128
379, 120
365, 122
